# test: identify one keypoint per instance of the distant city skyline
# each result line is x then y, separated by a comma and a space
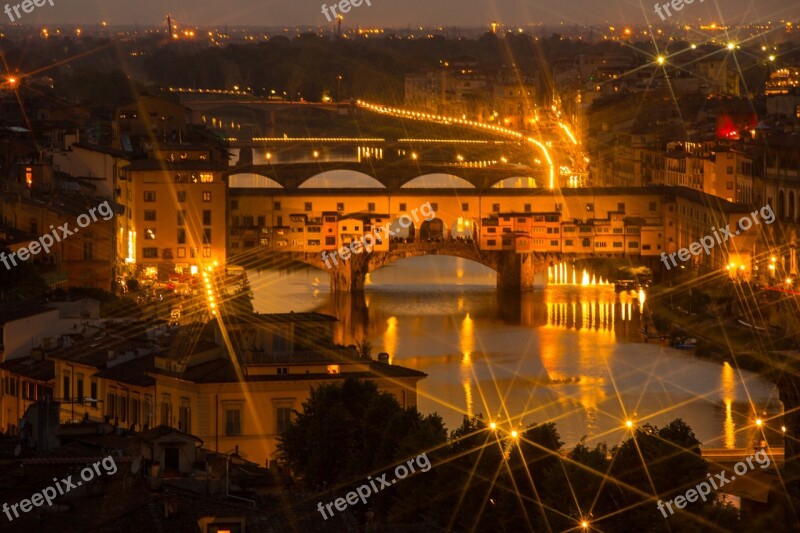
402, 13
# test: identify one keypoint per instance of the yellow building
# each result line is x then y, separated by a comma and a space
236, 396
178, 209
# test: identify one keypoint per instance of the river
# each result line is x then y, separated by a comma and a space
568, 354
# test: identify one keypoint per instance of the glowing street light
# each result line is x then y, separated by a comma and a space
584, 524
759, 422
514, 434
661, 60
629, 423
731, 46
493, 426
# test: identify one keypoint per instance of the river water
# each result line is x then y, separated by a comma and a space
568, 354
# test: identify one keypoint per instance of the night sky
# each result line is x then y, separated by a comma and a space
404, 13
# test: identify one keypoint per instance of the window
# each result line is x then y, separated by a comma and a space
652, 206
149, 196
553, 243
111, 404
495, 208
621, 206
330, 241
465, 206
88, 251
276, 206
600, 244
79, 388
283, 417
729, 185
185, 416
206, 235
166, 410
491, 230
150, 215
135, 407
371, 207
569, 242
633, 244
206, 217
93, 393
558, 207
182, 251
590, 207
150, 234
618, 230
233, 419
206, 196
206, 252
729, 170
181, 236
283, 370
234, 205
147, 417
434, 206
402, 207
66, 381
340, 206
307, 206
262, 221
491, 242
122, 412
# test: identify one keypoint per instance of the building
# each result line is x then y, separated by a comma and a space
235, 395
140, 125
178, 211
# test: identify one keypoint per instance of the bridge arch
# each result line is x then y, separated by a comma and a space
520, 182
250, 179
351, 179
437, 181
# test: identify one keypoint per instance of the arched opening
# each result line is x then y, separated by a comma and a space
434, 230
463, 230
790, 214
253, 181
442, 272
781, 206
338, 179
517, 183
437, 181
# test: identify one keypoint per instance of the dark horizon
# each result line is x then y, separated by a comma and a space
383, 13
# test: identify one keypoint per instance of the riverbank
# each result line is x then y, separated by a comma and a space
709, 312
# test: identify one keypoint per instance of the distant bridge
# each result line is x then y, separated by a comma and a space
391, 174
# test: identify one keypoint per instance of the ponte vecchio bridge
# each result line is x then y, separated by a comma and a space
481, 214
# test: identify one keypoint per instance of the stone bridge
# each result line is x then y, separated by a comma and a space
515, 271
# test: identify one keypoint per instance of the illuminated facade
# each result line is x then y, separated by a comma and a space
178, 211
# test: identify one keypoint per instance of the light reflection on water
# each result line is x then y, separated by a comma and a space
572, 355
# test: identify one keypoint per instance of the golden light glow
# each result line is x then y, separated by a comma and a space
492, 425
629, 423
759, 422
514, 434
661, 60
